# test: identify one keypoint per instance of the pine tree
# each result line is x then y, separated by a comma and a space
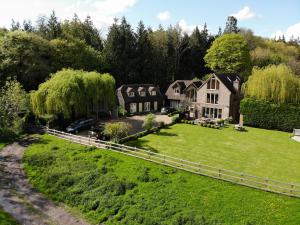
54, 27
27, 26
41, 26
231, 25
15, 25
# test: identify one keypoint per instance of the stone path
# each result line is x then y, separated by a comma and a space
23, 202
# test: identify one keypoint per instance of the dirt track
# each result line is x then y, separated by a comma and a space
20, 200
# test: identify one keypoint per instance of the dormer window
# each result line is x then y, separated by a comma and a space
177, 91
153, 93
213, 84
142, 91
131, 94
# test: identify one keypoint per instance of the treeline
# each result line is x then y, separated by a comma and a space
142, 55
31, 53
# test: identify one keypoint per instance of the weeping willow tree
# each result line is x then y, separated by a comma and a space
275, 84
74, 93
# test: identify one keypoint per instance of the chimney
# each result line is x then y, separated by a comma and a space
236, 85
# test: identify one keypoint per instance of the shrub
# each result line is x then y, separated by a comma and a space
117, 130
161, 124
175, 118
268, 115
204, 125
149, 121
228, 120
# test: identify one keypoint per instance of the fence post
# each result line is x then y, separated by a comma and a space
292, 187
242, 177
220, 172
267, 181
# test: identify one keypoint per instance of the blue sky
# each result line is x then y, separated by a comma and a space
265, 17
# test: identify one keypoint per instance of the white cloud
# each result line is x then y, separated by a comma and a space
291, 31
187, 28
163, 16
244, 14
102, 12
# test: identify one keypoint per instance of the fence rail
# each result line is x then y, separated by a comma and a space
197, 168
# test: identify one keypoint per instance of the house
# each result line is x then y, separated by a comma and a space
217, 97
140, 98
182, 92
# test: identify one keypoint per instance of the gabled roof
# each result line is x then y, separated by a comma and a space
228, 79
183, 85
196, 84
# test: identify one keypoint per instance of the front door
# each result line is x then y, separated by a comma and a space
155, 106
140, 107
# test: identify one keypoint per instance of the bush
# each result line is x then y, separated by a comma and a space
228, 120
175, 118
161, 124
149, 121
268, 115
117, 130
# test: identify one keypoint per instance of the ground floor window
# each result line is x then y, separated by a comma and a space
132, 107
174, 104
147, 106
155, 106
213, 113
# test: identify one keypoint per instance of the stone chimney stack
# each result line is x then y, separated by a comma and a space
237, 84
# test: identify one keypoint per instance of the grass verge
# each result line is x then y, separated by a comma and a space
6, 219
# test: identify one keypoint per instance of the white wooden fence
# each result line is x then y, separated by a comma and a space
197, 168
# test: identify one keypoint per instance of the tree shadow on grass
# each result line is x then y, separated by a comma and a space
164, 133
28, 140
143, 144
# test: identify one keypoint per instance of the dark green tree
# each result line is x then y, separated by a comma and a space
143, 55
85, 31
231, 25
27, 26
15, 25
53, 27
120, 52
26, 56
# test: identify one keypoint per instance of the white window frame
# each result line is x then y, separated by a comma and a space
212, 98
142, 93
131, 94
132, 108
147, 106
177, 91
153, 93
155, 105
209, 84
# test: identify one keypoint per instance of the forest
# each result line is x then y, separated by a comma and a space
52, 57
30, 53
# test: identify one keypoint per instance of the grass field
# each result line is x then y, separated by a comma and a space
260, 152
112, 188
6, 219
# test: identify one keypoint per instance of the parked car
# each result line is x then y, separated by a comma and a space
80, 125
96, 132
167, 110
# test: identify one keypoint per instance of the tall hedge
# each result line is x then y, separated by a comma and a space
268, 115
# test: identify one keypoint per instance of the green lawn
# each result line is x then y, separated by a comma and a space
112, 188
260, 152
6, 219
